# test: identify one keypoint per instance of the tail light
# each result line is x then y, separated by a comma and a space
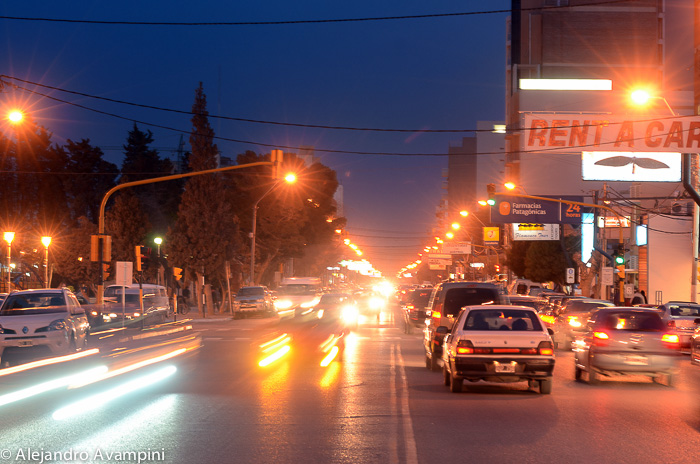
410, 307
671, 324
545, 348
465, 347
600, 339
671, 341
437, 311
574, 322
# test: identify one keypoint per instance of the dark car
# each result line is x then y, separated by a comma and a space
570, 318
622, 340
446, 301
414, 309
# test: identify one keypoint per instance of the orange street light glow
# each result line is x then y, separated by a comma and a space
482, 202
509, 185
290, 178
640, 97
464, 213
449, 235
456, 225
15, 116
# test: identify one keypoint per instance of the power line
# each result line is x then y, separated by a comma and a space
290, 22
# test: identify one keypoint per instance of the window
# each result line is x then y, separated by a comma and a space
633, 321
491, 319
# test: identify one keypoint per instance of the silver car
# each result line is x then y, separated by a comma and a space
43, 322
683, 316
255, 300
632, 341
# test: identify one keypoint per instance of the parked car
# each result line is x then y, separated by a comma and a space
40, 323
570, 318
626, 340
498, 344
414, 308
447, 299
684, 316
121, 305
254, 300
695, 347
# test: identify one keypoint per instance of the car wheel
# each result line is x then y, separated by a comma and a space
593, 378
455, 384
445, 375
434, 366
545, 386
428, 364
578, 373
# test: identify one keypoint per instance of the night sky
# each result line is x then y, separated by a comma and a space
427, 73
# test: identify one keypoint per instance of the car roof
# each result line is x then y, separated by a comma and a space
468, 284
499, 307
39, 290
626, 308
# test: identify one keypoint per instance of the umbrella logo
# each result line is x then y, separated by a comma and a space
620, 161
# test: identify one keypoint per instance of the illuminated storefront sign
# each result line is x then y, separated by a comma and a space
631, 166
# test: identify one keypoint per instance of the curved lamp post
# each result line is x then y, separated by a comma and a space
46, 241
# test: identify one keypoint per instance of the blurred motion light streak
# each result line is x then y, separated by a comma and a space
274, 356
50, 385
330, 356
48, 361
96, 401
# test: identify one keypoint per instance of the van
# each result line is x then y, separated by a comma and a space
446, 301
121, 303
523, 287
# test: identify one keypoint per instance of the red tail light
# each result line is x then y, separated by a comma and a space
545, 348
600, 338
465, 347
410, 306
437, 311
671, 341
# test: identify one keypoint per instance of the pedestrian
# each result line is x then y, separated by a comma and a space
638, 298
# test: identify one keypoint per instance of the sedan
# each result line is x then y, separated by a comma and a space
498, 344
626, 341
684, 316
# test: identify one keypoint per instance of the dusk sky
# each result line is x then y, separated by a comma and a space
423, 73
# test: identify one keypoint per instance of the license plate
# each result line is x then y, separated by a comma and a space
25, 343
505, 368
636, 360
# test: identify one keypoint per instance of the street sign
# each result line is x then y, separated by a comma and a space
570, 275
629, 290
491, 236
510, 209
439, 261
606, 276
535, 231
457, 248
124, 273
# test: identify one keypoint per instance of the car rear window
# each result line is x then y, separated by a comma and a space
684, 310
420, 298
585, 306
456, 298
635, 321
500, 319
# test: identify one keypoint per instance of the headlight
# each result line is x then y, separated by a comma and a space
283, 304
376, 303
574, 322
310, 304
349, 314
58, 324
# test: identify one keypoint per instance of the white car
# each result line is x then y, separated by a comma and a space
498, 344
42, 322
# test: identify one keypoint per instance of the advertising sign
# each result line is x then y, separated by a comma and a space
491, 236
571, 133
612, 221
511, 209
606, 276
439, 261
631, 166
535, 231
457, 248
124, 273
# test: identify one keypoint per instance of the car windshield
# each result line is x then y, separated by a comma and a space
33, 303
635, 321
297, 289
420, 298
332, 299
251, 291
582, 306
684, 310
502, 319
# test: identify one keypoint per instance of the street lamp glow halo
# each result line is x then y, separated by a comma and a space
510, 185
158, 240
9, 236
15, 116
46, 241
640, 97
290, 178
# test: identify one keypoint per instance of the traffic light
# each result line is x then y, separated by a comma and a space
105, 271
177, 272
620, 264
491, 191
497, 268
276, 157
141, 253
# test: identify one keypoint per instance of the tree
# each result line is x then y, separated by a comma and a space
71, 255
515, 257
91, 178
205, 233
127, 224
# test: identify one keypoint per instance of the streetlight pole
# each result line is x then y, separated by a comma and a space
46, 241
9, 236
158, 241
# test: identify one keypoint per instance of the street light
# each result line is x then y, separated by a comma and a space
289, 178
15, 116
9, 236
158, 241
46, 241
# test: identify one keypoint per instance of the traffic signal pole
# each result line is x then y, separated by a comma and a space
103, 205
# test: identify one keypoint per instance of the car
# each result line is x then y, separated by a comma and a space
626, 341
524, 300
41, 322
684, 316
498, 344
695, 347
447, 299
414, 310
253, 300
340, 306
121, 305
568, 319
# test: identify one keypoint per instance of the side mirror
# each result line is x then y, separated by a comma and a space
442, 330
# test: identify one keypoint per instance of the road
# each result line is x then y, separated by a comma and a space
379, 404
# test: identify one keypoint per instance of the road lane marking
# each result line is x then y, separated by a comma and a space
409, 437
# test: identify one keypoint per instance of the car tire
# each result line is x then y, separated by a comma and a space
428, 364
593, 378
578, 373
546, 386
455, 384
434, 366
445, 375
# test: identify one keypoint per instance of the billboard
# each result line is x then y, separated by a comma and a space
535, 232
512, 209
439, 261
457, 248
631, 166
571, 133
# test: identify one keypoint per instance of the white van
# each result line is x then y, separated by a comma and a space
522, 287
122, 302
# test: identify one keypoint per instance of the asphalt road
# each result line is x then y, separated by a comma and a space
378, 404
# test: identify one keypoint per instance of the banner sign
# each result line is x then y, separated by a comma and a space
457, 248
535, 231
438, 261
527, 210
612, 221
491, 235
571, 133
631, 166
